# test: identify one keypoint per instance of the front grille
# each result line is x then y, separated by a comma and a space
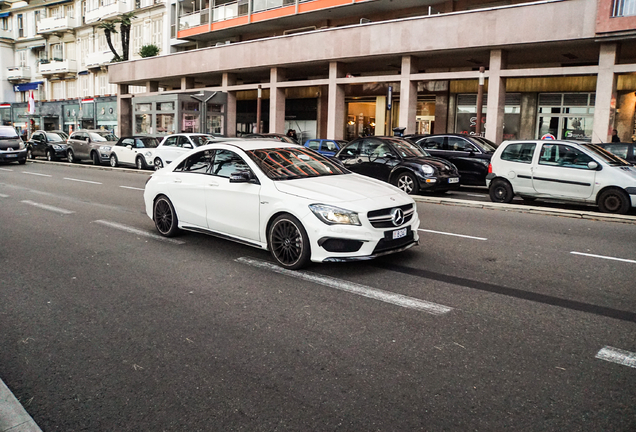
340, 245
386, 245
382, 218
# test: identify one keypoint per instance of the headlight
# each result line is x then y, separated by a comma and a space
428, 170
21, 146
148, 154
104, 148
56, 147
334, 215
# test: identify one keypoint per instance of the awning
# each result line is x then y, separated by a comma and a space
28, 86
4, 14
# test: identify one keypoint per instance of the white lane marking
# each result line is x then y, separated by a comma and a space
130, 187
82, 181
451, 234
475, 195
37, 174
138, 232
6, 169
604, 257
4, 196
351, 287
48, 207
616, 355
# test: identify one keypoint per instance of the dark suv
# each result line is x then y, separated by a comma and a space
470, 154
90, 144
12, 148
51, 144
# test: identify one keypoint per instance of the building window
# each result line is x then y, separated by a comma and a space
624, 8
138, 38
71, 89
57, 52
4, 23
566, 115
22, 58
20, 19
157, 28
57, 89
70, 10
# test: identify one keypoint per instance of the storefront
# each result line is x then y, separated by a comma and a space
466, 115
106, 114
70, 113
566, 115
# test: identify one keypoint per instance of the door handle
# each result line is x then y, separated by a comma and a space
213, 184
177, 180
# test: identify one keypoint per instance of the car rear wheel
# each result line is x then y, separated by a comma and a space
165, 217
158, 164
71, 157
141, 163
96, 160
501, 191
407, 182
113, 160
614, 201
288, 242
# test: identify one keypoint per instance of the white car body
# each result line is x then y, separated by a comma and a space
175, 145
543, 174
242, 211
128, 149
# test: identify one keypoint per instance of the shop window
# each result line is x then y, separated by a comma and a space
165, 106
466, 118
165, 123
143, 107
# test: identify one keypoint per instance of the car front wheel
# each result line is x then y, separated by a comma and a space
95, 158
49, 156
407, 183
141, 163
501, 192
30, 154
614, 201
165, 217
113, 160
158, 164
288, 242
71, 157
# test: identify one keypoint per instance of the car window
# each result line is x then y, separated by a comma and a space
294, 162
53, 137
521, 152
198, 163
102, 136
619, 150
171, 141
200, 140
227, 162
434, 143
460, 144
564, 156
606, 156
126, 141
37, 136
330, 146
8, 132
351, 150
407, 149
313, 144
381, 150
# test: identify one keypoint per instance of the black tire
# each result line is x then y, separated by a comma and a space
30, 154
49, 156
71, 157
158, 164
407, 182
501, 191
113, 160
614, 201
288, 242
140, 163
22, 161
528, 199
95, 157
165, 217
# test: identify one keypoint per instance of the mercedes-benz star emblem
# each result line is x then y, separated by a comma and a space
397, 215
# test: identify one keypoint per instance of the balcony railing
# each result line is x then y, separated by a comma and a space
18, 73
55, 67
105, 12
230, 10
99, 58
8, 34
54, 24
624, 8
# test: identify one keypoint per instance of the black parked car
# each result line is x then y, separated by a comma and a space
399, 162
51, 144
626, 151
471, 155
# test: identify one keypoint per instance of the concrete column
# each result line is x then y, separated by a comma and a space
230, 106
124, 110
336, 110
187, 83
496, 96
380, 116
408, 95
445, 110
152, 86
323, 113
527, 128
276, 101
605, 107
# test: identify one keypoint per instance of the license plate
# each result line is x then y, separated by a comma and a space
399, 233
11, 155
453, 180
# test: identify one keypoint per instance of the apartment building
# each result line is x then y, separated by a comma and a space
58, 51
345, 68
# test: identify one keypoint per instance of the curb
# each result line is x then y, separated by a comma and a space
13, 417
91, 166
575, 214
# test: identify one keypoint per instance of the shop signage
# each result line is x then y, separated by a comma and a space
389, 98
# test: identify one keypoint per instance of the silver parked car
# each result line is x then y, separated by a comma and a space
90, 144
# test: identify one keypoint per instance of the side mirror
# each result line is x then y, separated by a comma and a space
129, 146
592, 165
88, 139
240, 177
187, 146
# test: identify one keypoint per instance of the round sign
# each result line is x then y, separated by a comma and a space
548, 136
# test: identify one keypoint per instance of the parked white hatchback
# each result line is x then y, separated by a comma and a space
284, 198
173, 146
563, 170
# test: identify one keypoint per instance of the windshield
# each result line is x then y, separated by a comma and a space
294, 163
102, 136
8, 132
608, 157
486, 145
53, 137
200, 140
407, 149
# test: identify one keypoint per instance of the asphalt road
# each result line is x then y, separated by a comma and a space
498, 320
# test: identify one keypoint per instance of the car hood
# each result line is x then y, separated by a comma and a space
439, 163
338, 188
10, 143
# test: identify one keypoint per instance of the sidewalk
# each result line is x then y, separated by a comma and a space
13, 417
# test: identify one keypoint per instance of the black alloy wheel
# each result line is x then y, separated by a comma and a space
49, 155
95, 157
113, 160
140, 163
614, 201
407, 182
71, 157
165, 217
158, 164
501, 192
288, 242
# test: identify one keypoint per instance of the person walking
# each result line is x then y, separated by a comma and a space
615, 137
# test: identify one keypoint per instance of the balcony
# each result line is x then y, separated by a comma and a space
105, 12
8, 34
58, 67
18, 73
56, 25
98, 58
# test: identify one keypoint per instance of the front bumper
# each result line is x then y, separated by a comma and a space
13, 156
438, 183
